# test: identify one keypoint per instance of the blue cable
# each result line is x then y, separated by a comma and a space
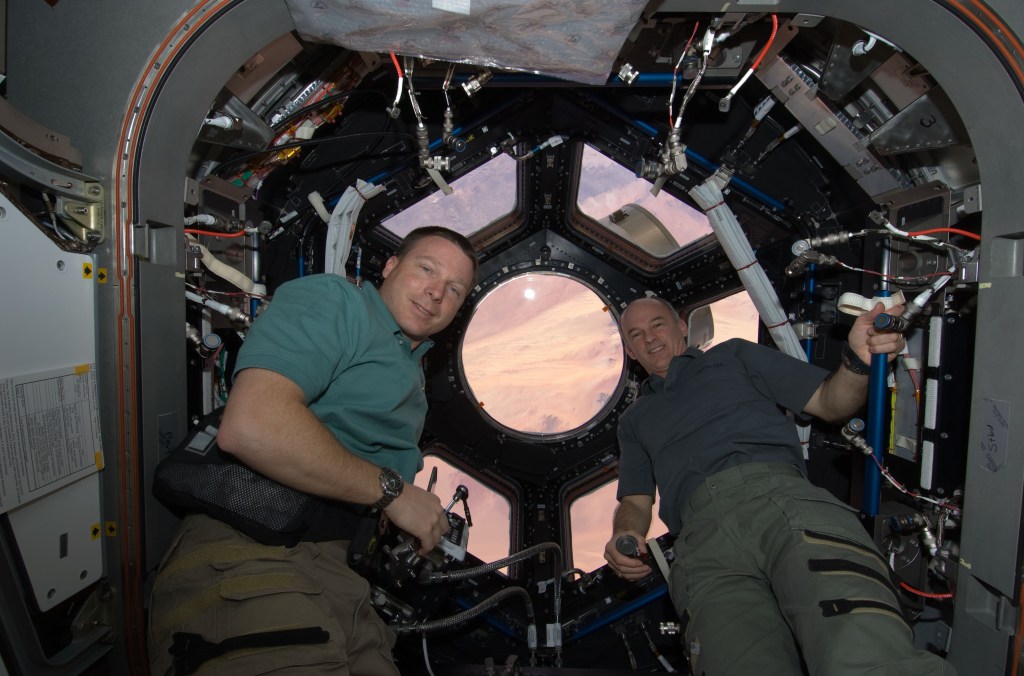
497, 624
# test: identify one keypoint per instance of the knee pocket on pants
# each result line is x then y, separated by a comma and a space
823, 515
265, 578
267, 596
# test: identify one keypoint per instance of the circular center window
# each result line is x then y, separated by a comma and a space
542, 354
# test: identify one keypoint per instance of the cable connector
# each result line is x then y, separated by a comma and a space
554, 635
708, 42
628, 73
531, 637
553, 141
851, 432
764, 107
223, 121
806, 258
913, 309
477, 82
831, 239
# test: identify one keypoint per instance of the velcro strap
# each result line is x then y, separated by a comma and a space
191, 651
834, 607
815, 537
844, 566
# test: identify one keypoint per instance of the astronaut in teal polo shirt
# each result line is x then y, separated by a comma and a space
328, 399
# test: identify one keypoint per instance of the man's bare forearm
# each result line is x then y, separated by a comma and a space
840, 396
633, 515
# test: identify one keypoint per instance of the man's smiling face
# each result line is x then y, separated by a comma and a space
425, 286
654, 334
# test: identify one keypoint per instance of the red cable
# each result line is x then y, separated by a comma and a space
771, 39
675, 70
918, 233
1016, 641
211, 233
925, 594
394, 60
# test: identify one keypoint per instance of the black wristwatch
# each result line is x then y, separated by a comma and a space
853, 363
391, 484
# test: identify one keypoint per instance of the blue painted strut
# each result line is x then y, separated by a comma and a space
878, 390
620, 612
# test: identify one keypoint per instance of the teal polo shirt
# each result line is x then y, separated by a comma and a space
341, 345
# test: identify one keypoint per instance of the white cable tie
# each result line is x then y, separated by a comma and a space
764, 107
659, 556
554, 635
318, 205
439, 181
855, 304
220, 268
860, 48
305, 130
200, 219
903, 233
221, 121
709, 40
216, 306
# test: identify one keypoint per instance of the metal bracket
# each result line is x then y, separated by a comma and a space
96, 614
84, 219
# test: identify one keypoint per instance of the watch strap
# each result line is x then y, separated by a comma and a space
389, 478
853, 363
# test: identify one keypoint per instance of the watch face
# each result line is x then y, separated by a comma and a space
391, 480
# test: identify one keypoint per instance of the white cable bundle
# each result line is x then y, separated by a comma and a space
341, 227
741, 255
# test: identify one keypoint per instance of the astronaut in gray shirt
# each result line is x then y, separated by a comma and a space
770, 572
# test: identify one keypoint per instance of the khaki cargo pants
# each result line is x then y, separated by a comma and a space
301, 609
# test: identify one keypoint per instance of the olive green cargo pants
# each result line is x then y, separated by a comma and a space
770, 569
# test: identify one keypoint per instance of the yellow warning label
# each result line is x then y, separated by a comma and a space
111, 529
82, 369
95, 531
101, 275
99, 460
87, 270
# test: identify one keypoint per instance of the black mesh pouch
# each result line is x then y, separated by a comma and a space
198, 477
